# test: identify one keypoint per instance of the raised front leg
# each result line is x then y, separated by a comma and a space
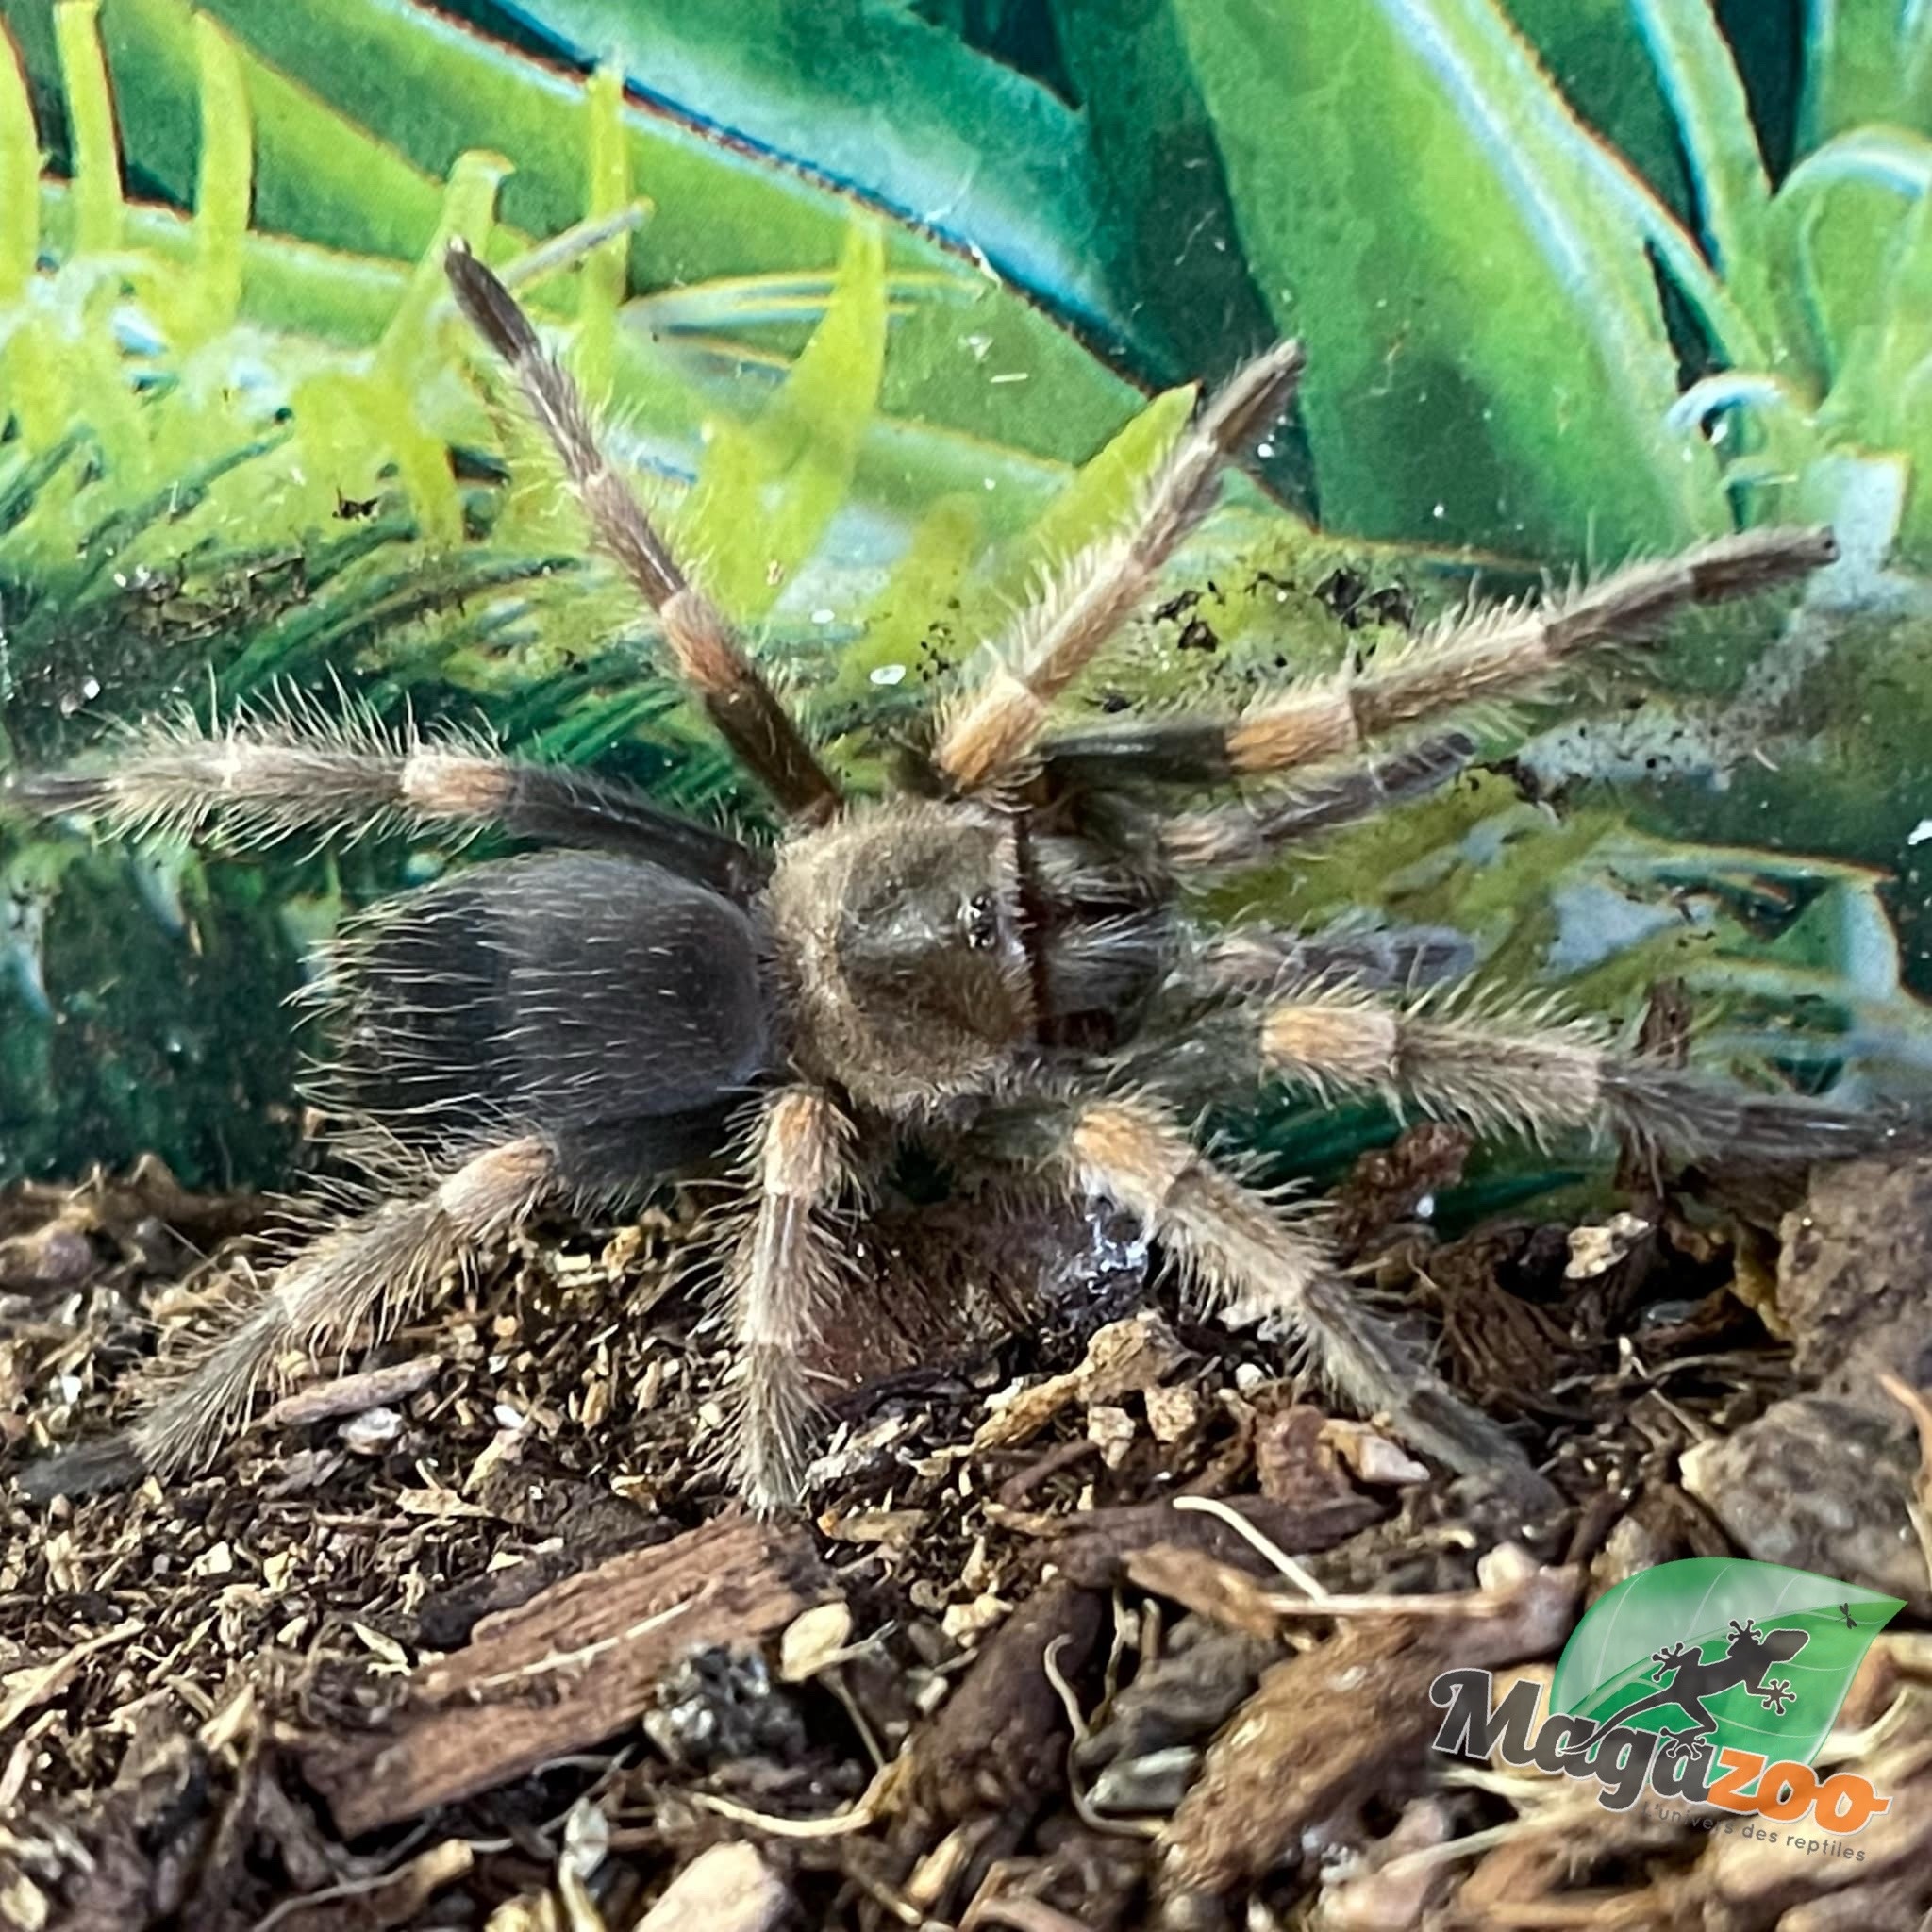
708, 655
988, 733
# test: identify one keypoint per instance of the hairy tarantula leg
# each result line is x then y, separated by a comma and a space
1266, 959
1227, 838
990, 732
708, 656
1238, 1248
1505, 652
271, 775
378, 1266
1541, 1076
780, 1273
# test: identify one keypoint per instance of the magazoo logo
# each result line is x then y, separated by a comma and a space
1710, 1681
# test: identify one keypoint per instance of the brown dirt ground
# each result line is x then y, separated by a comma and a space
466, 1635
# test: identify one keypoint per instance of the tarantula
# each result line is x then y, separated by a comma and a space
991, 963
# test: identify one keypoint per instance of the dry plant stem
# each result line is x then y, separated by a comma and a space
708, 654
989, 734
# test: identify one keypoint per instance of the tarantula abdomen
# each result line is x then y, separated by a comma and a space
599, 1000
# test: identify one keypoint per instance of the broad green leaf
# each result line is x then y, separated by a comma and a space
1157, 166
361, 107
990, 364
879, 101
914, 619
1589, 52
1702, 83
1700, 79
1840, 218
769, 487
1865, 61
1488, 358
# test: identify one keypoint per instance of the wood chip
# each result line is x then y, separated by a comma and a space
38, 1682
1217, 1590
1123, 1359
565, 1670
727, 1889
1345, 1721
352, 1394
813, 1641
998, 1743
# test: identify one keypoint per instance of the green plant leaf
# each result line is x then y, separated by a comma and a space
1841, 216
769, 486
874, 99
1700, 79
90, 125
224, 181
429, 90
1865, 61
1157, 164
20, 174
361, 109
1589, 52
1488, 355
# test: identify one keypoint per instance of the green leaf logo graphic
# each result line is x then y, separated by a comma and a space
1750, 1655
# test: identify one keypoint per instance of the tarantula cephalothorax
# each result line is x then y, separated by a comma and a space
990, 962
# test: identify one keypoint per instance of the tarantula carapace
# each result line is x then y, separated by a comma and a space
993, 962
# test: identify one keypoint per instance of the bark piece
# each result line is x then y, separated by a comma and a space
354, 1394
1338, 1724
1819, 1483
572, 1666
999, 1745
1851, 1276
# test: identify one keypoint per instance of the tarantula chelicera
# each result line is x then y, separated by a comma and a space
993, 962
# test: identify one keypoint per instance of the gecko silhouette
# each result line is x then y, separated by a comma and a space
1692, 1678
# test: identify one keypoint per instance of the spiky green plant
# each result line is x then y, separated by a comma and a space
236, 459
198, 503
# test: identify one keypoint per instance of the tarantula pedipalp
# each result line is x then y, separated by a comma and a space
994, 962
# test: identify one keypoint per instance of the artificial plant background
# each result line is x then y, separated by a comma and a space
888, 303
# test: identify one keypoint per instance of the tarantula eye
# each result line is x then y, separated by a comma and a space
982, 922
